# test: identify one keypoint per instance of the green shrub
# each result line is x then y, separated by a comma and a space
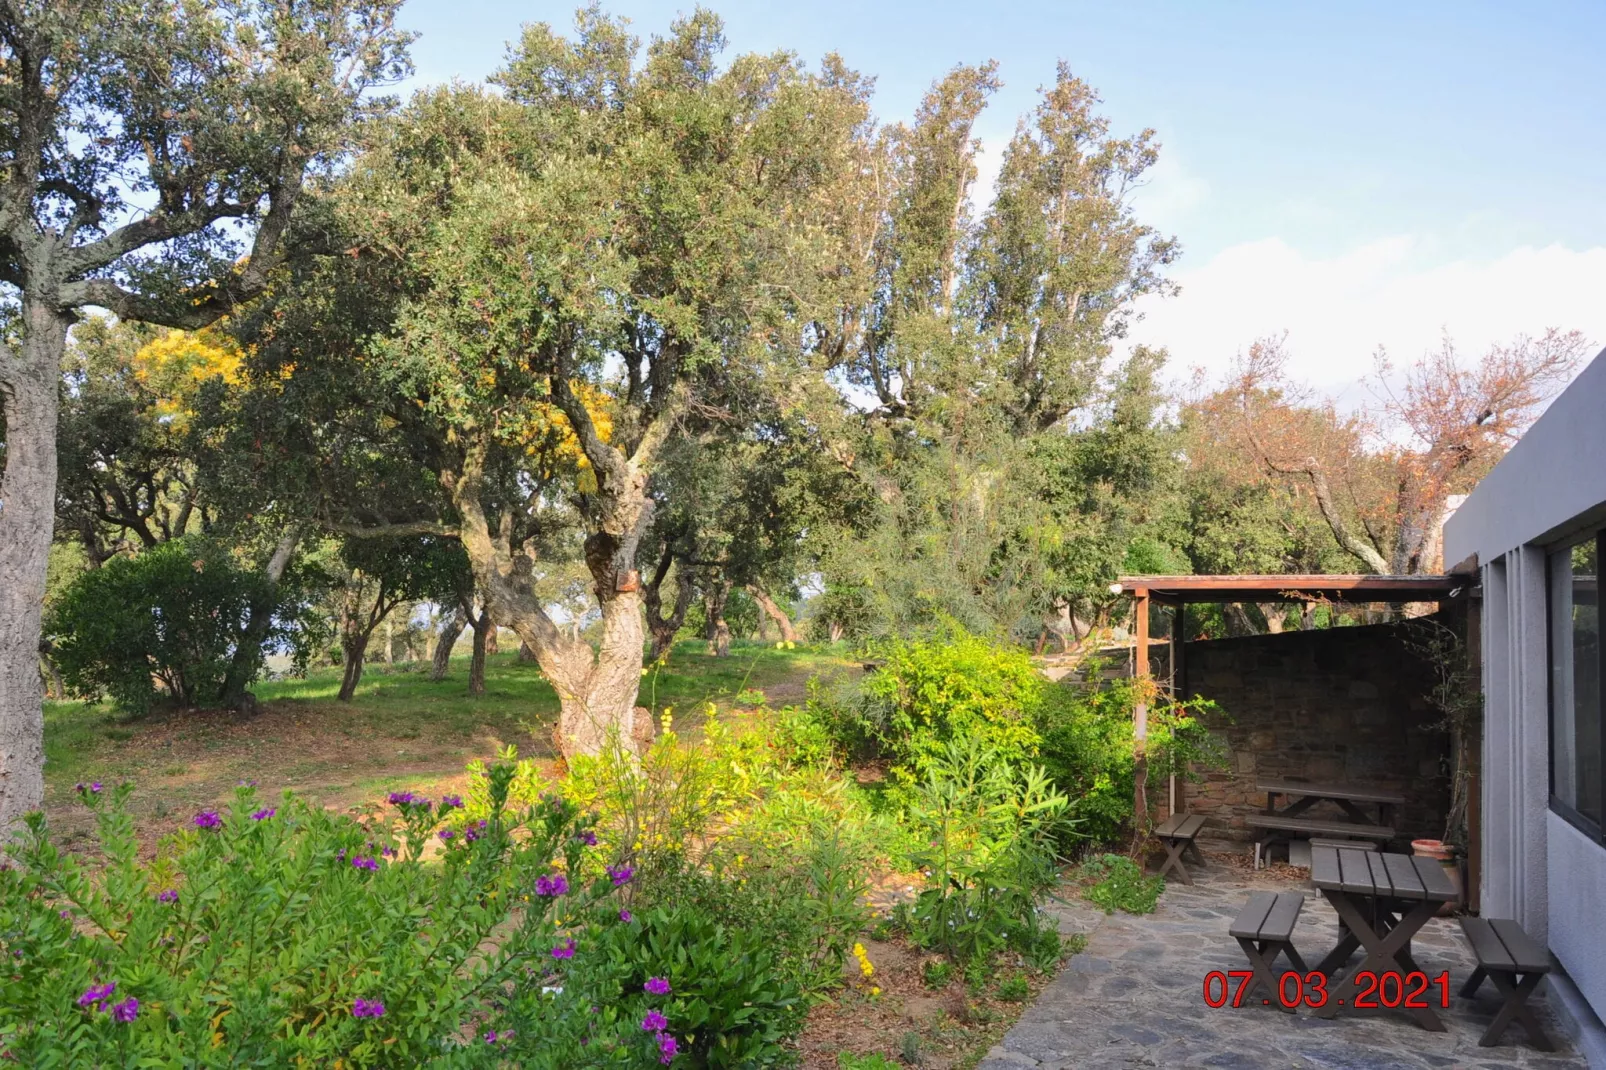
171, 614
1087, 749
1116, 882
926, 694
986, 829
1014, 987
937, 973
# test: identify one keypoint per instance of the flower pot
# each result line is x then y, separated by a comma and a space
1444, 854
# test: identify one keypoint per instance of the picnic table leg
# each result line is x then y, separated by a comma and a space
1173, 858
1516, 1008
1383, 953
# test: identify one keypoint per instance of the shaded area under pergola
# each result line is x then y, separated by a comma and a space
1179, 592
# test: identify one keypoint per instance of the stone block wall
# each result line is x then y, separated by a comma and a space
1341, 705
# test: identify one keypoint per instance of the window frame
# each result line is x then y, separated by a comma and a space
1595, 830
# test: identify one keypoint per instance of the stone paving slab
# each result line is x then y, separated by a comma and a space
1134, 997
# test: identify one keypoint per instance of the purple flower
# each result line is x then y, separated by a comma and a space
95, 995
624, 915
564, 950
169, 896
446, 835
620, 875
555, 885
451, 802
79, 787
387, 852
654, 1022
363, 862
207, 819
490, 1037
127, 1010
666, 1048
470, 835
588, 838
656, 986
367, 1008
265, 813
404, 799
94, 789
483, 823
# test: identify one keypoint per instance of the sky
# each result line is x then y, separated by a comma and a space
1358, 175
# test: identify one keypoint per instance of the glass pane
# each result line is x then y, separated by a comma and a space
1575, 709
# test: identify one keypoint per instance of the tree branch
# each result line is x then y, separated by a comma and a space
104, 251
406, 527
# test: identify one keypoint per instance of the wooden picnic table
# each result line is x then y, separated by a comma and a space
1349, 798
1383, 901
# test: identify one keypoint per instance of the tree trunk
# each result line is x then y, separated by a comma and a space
526, 654
716, 631
1238, 622
1273, 612
259, 618
663, 627
596, 690
490, 635
390, 642
29, 400
836, 631
774, 612
355, 648
1307, 616
483, 627
443, 645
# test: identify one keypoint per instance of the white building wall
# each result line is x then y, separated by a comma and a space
1537, 868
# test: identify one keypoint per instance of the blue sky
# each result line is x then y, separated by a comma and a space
1355, 174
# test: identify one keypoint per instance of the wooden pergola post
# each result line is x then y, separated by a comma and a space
1140, 721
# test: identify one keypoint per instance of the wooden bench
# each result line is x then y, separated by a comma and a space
1345, 845
1276, 827
1266, 925
1504, 953
1177, 833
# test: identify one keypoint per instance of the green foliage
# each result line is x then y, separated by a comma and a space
731, 1001
876, 1061
252, 938
172, 614
1013, 988
937, 973
1180, 741
927, 694
1087, 750
985, 829
1116, 882
733, 803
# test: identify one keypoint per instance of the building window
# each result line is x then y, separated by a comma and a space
1577, 712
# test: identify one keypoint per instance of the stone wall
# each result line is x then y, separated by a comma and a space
1336, 705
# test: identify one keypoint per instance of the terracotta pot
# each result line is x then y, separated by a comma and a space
1437, 850
1444, 854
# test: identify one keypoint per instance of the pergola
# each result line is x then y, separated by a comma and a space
1181, 591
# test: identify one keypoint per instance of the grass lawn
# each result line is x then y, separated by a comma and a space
401, 730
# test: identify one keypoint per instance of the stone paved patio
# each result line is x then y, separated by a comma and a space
1134, 997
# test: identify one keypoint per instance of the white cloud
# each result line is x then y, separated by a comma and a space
1391, 293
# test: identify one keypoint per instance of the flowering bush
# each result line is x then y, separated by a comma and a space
928, 693
287, 936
